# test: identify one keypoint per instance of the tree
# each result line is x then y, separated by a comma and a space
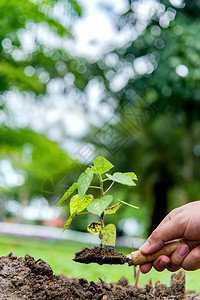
33, 37
33, 52
43, 166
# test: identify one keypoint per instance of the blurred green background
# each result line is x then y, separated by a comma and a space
133, 97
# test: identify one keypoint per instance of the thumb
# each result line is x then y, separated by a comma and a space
169, 231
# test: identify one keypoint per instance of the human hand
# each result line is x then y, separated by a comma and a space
182, 222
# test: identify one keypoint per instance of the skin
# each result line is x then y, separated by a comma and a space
182, 222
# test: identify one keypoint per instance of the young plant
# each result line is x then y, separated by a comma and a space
100, 206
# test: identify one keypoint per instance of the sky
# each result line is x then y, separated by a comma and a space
95, 31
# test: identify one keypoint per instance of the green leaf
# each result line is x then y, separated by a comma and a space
77, 205
69, 220
74, 204
84, 202
68, 193
121, 178
102, 165
111, 210
84, 182
95, 228
109, 235
129, 204
98, 205
132, 175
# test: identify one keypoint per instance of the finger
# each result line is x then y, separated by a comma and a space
170, 216
178, 257
145, 268
171, 230
173, 268
161, 263
165, 220
192, 260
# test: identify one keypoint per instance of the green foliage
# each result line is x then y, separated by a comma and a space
102, 165
77, 204
68, 193
69, 220
32, 153
97, 206
25, 17
74, 204
111, 210
108, 235
84, 182
13, 73
132, 175
121, 178
95, 228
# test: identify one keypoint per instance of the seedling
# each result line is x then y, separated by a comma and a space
100, 206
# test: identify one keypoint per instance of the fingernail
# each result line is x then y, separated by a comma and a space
163, 263
145, 247
183, 250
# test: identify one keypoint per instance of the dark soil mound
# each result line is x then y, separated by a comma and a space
100, 255
25, 278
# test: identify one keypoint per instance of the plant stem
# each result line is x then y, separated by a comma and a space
109, 188
101, 219
137, 278
95, 187
101, 183
105, 179
134, 272
128, 204
103, 225
84, 213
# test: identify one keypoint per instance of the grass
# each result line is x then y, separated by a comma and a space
59, 255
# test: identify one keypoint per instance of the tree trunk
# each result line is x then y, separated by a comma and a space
160, 191
189, 158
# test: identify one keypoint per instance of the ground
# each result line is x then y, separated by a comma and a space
27, 278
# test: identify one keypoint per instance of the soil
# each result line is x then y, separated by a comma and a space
100, 255
25, 278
